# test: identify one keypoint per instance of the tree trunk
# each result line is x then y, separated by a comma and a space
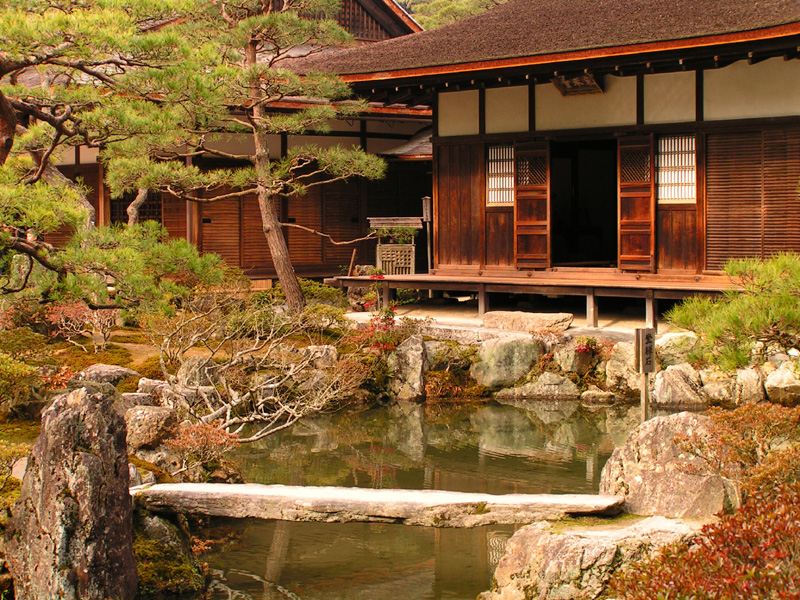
280, 251
133, 208
269, 215
8, 124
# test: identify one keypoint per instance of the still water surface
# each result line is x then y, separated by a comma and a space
552, 447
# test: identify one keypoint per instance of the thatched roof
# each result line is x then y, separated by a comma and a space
530, 28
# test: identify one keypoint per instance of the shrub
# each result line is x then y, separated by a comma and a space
75, 320
18, 384
759, 317
314, 292
753, 553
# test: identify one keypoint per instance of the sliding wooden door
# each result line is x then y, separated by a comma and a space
637, 204
532, 215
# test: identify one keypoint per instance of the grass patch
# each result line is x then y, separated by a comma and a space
77, 360
20, 432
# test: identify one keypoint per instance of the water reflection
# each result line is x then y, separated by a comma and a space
354, 561
552, 447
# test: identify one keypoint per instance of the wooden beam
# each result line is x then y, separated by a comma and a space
483, 301
650, 311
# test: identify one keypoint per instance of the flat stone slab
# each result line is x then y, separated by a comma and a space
432, 508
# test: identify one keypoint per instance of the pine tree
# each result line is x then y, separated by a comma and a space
154, 83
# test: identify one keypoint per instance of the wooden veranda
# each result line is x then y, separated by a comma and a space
593, 285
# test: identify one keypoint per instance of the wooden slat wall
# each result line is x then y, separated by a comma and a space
173, 215
220, 229
459, 205
500, 236
751, 194
255, 251
733, 197
676, 232
781, 178
306, 248
342, 202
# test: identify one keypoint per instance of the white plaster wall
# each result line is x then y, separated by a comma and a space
617, 106
459, 113
670, 97
242, 143
742, 91
507, 109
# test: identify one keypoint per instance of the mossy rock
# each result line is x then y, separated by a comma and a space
166, 565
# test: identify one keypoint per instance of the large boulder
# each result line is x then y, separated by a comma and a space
674, 348
101, 373
196, 371
528, 322
783, 385
718, 386
148, 426
658, 476
543, 564
70, 533
407, 364
503, 361
679, 386
548, 386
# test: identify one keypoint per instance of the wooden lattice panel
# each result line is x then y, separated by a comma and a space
635, 166
396, 259
531, 170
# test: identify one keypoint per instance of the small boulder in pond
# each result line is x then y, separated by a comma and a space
503, 361
527, 321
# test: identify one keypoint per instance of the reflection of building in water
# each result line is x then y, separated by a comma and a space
496, 547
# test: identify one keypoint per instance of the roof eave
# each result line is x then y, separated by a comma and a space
755, 35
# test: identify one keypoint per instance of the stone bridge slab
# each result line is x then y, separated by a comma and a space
432, 508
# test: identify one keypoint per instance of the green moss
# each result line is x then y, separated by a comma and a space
568, 523
160, 474
480, 508
129, 384
164, 572
8, 496
77, 359
151, 368
19, 432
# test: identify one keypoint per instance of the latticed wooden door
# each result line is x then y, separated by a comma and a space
637, 204
532, 206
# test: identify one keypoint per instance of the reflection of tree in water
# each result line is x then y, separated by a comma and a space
376, 463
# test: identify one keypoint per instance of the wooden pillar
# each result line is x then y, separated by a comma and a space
650, 310
386, 295
483, 300
591, 308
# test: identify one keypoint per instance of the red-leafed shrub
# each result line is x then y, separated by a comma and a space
753, 554
201, 444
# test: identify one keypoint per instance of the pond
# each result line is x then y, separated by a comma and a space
547, 447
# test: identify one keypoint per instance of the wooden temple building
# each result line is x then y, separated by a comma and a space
624, 148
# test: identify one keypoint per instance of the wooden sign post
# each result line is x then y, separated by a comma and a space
645, 352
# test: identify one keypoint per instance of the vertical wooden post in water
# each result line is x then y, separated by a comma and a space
645, 352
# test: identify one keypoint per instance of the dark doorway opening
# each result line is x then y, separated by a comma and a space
583, 203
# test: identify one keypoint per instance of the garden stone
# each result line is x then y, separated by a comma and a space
148, 426
571, 361
749, 387
548, 386
783, 385
154, 387
594, 396
777, 359
134, 478
674, 348
677, 386
436, 355
621, 375
527, 322
503, 361
543, 564
101, 373
70, 528
407, 363
195, 371
718, 386
658, 477
322, 357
